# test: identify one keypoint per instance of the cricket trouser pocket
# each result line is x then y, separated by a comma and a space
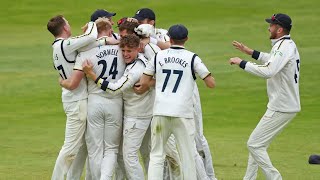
269, 114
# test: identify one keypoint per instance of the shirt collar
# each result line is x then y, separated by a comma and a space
56, 40
274, 41
177, 47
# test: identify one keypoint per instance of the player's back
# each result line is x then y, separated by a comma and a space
286, 98
63, 61
107, 63
174, 83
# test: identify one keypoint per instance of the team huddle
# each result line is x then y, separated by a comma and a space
135, 92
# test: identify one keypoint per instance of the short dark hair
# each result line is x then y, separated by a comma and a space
56, 24
129, 26
130, 40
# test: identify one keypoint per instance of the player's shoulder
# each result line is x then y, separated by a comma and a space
89, 52
152, 47
109, 47
142, 59
161, 31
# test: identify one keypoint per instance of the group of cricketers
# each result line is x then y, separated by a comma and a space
134, 92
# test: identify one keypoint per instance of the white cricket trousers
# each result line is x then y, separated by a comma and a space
134, 131
103, 135
76, 113
77, 166
183, 130
270, 125
203, 150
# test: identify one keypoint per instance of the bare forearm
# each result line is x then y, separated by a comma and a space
210, 82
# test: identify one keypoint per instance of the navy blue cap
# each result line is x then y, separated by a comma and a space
314, 159
282, 19
144, 13
101, 13
178, 32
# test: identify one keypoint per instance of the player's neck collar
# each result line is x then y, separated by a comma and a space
274, 41
58, 39
176, 47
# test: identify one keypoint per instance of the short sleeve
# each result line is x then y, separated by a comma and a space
200, 68
79, 62
150, 68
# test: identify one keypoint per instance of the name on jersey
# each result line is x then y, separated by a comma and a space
182, 62
107, 53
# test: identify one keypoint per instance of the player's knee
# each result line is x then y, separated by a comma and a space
130, 157
250, 145
253, 145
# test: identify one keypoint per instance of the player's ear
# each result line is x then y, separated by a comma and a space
141, 47
109, 34
65, 27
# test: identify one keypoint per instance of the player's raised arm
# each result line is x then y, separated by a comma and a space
75, 43
257, 55
277, 61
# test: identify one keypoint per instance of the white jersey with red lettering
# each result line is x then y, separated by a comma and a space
64, 58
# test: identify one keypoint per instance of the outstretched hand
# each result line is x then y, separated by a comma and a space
235, 60
243, 48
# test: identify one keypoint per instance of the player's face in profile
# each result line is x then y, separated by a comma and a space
123, 33
273, 29
129, 54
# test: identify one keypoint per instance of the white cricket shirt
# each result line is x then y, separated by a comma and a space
282, 69
174, 70
107, 63
135, 105
64, 57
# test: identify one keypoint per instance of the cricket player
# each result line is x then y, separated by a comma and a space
281, 69
100, 13
147, 18
172, 170
174, 70
104, 120
74, 101
203, 159
137, 108
125, 28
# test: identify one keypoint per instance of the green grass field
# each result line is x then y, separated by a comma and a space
32, 120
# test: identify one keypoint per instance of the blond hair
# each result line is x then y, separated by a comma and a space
103, 24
